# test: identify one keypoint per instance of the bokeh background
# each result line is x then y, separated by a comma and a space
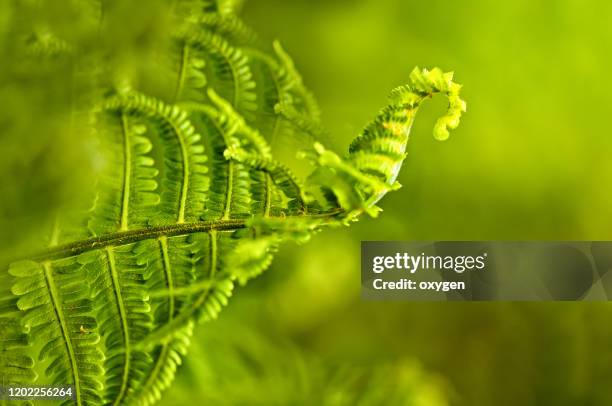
532, 160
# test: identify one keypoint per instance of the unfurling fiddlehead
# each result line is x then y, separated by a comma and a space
190, 200
376, 156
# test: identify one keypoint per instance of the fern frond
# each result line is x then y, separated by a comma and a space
226, 69
285, 106
187, 8
16, 364
229, 27
56, 308
385, 139
46, 44
184, 180
168, 357
302, 122
297, 94
124, 312
190, 200
283, 179
251, 257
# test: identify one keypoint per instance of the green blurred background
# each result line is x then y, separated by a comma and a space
531, 160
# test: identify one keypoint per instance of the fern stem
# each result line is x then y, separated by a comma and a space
182, 71
123, 322
268, 198
230, 189
55, 299
127, 170
185, 186
163, 243
130, 236
213, 254
55, 232
161, 359
277, 117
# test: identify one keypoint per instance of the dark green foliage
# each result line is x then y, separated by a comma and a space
188, 197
